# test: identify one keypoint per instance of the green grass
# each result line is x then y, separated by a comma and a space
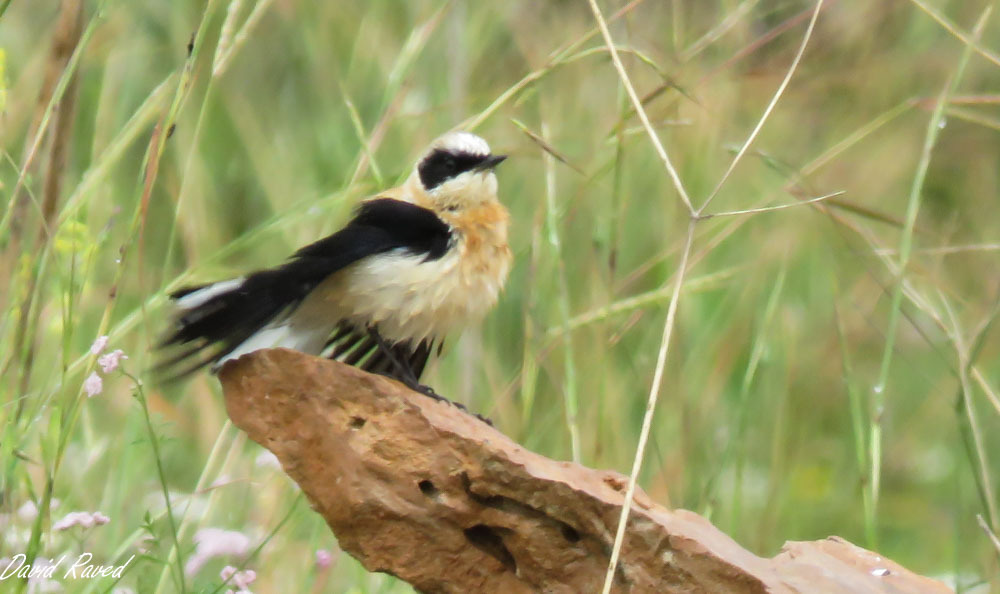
286, 113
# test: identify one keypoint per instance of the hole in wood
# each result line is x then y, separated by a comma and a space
569, 533
357, 422
427, 488
488, 540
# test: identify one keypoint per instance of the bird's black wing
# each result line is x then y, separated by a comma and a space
381, 225
217, 326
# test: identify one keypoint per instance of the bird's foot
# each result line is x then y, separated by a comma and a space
430, 393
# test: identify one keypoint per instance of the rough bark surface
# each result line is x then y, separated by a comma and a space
419, 489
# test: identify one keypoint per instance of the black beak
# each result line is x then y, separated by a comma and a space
490, 162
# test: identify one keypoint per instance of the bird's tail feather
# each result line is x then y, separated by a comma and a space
215, 320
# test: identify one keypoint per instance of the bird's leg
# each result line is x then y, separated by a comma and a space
407, 376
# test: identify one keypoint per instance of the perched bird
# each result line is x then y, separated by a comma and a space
416, 263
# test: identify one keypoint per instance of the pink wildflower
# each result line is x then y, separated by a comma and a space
99, 345
109, 362
28, 511
93, 385
240, 579
324, 558
215, 542
80, 518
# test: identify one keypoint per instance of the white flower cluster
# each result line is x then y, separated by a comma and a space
82, 519
108, 362
240, 579
216, 542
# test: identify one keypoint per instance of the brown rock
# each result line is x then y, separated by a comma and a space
426, 492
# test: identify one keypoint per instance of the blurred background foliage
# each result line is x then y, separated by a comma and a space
283, 114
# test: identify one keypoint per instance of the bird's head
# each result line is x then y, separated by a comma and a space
456, 172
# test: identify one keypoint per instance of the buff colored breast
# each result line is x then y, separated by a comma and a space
412, 299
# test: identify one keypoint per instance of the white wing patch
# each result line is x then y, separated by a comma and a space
201, 296
284, 334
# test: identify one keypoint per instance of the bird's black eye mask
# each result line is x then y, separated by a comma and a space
442, 165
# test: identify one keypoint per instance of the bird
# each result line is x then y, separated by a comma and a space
416, 263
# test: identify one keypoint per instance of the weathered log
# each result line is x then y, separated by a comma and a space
419, 489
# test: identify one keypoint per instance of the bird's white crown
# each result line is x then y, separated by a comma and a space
462, 142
